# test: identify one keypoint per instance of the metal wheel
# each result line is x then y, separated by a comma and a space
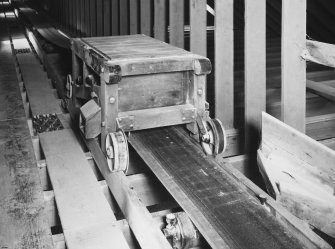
117, 151
215, 141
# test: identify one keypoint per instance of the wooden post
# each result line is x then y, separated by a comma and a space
100, 28
107, 19
177, 23
160, 28
115, 17
133, 16
224, 62
255, 70
293, 65
146, 22
198, 25
124, 23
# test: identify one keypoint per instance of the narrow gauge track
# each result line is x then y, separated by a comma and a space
81, 211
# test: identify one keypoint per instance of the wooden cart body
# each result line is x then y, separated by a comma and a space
141, 82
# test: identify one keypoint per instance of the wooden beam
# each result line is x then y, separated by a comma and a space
177, 22
299, 173
198, 26
124, 17
80, 201
160, 29
321, 89
320, 53
107, 17
115, 17
224, 62
134, 16
146, 20
138, 217
293, 65
255, 70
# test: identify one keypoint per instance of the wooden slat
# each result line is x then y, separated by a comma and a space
198, 25
320, 52
23, 223
124, 17
293, 66
107, 17
160, 27
100, 18
115, 17
255, 69
138, 217
224, 62
146, 20
176, 10
133, 17
87, 18
321, 89
82, 17
93, 18
87, 220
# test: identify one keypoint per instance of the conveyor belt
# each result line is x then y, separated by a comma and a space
237, 217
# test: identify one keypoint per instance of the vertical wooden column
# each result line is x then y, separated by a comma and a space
293, 66
100, 28
255, 70
198, 25
115, 17
87, 18
124, 22
177, 23
93, 17
146, 20
224, 62
133, 17
160, 26
107, 17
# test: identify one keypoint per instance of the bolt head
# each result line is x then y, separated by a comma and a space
112, 100
200, 91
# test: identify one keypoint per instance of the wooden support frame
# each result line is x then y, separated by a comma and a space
176, 10
255, 70
293, 65
160, 28
198, 25
146, 20
224, 62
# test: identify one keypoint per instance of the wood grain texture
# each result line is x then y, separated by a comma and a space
160, 19
23, 223
87, 220
255, 70
198, 25
215, 202
224, 62
176, 10
293, 110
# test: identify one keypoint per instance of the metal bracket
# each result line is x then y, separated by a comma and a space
126, 123
188, 115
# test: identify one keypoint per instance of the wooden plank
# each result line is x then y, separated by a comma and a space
196, 181
133, 17
138, 217
107, 17
320, 52
293, 66
299, 173
198, 26
124, 17
100, 18
255, 70
224, 62
176, 10
115, 17
160, 19
321, 89
23, 222
87, 220
146, 20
